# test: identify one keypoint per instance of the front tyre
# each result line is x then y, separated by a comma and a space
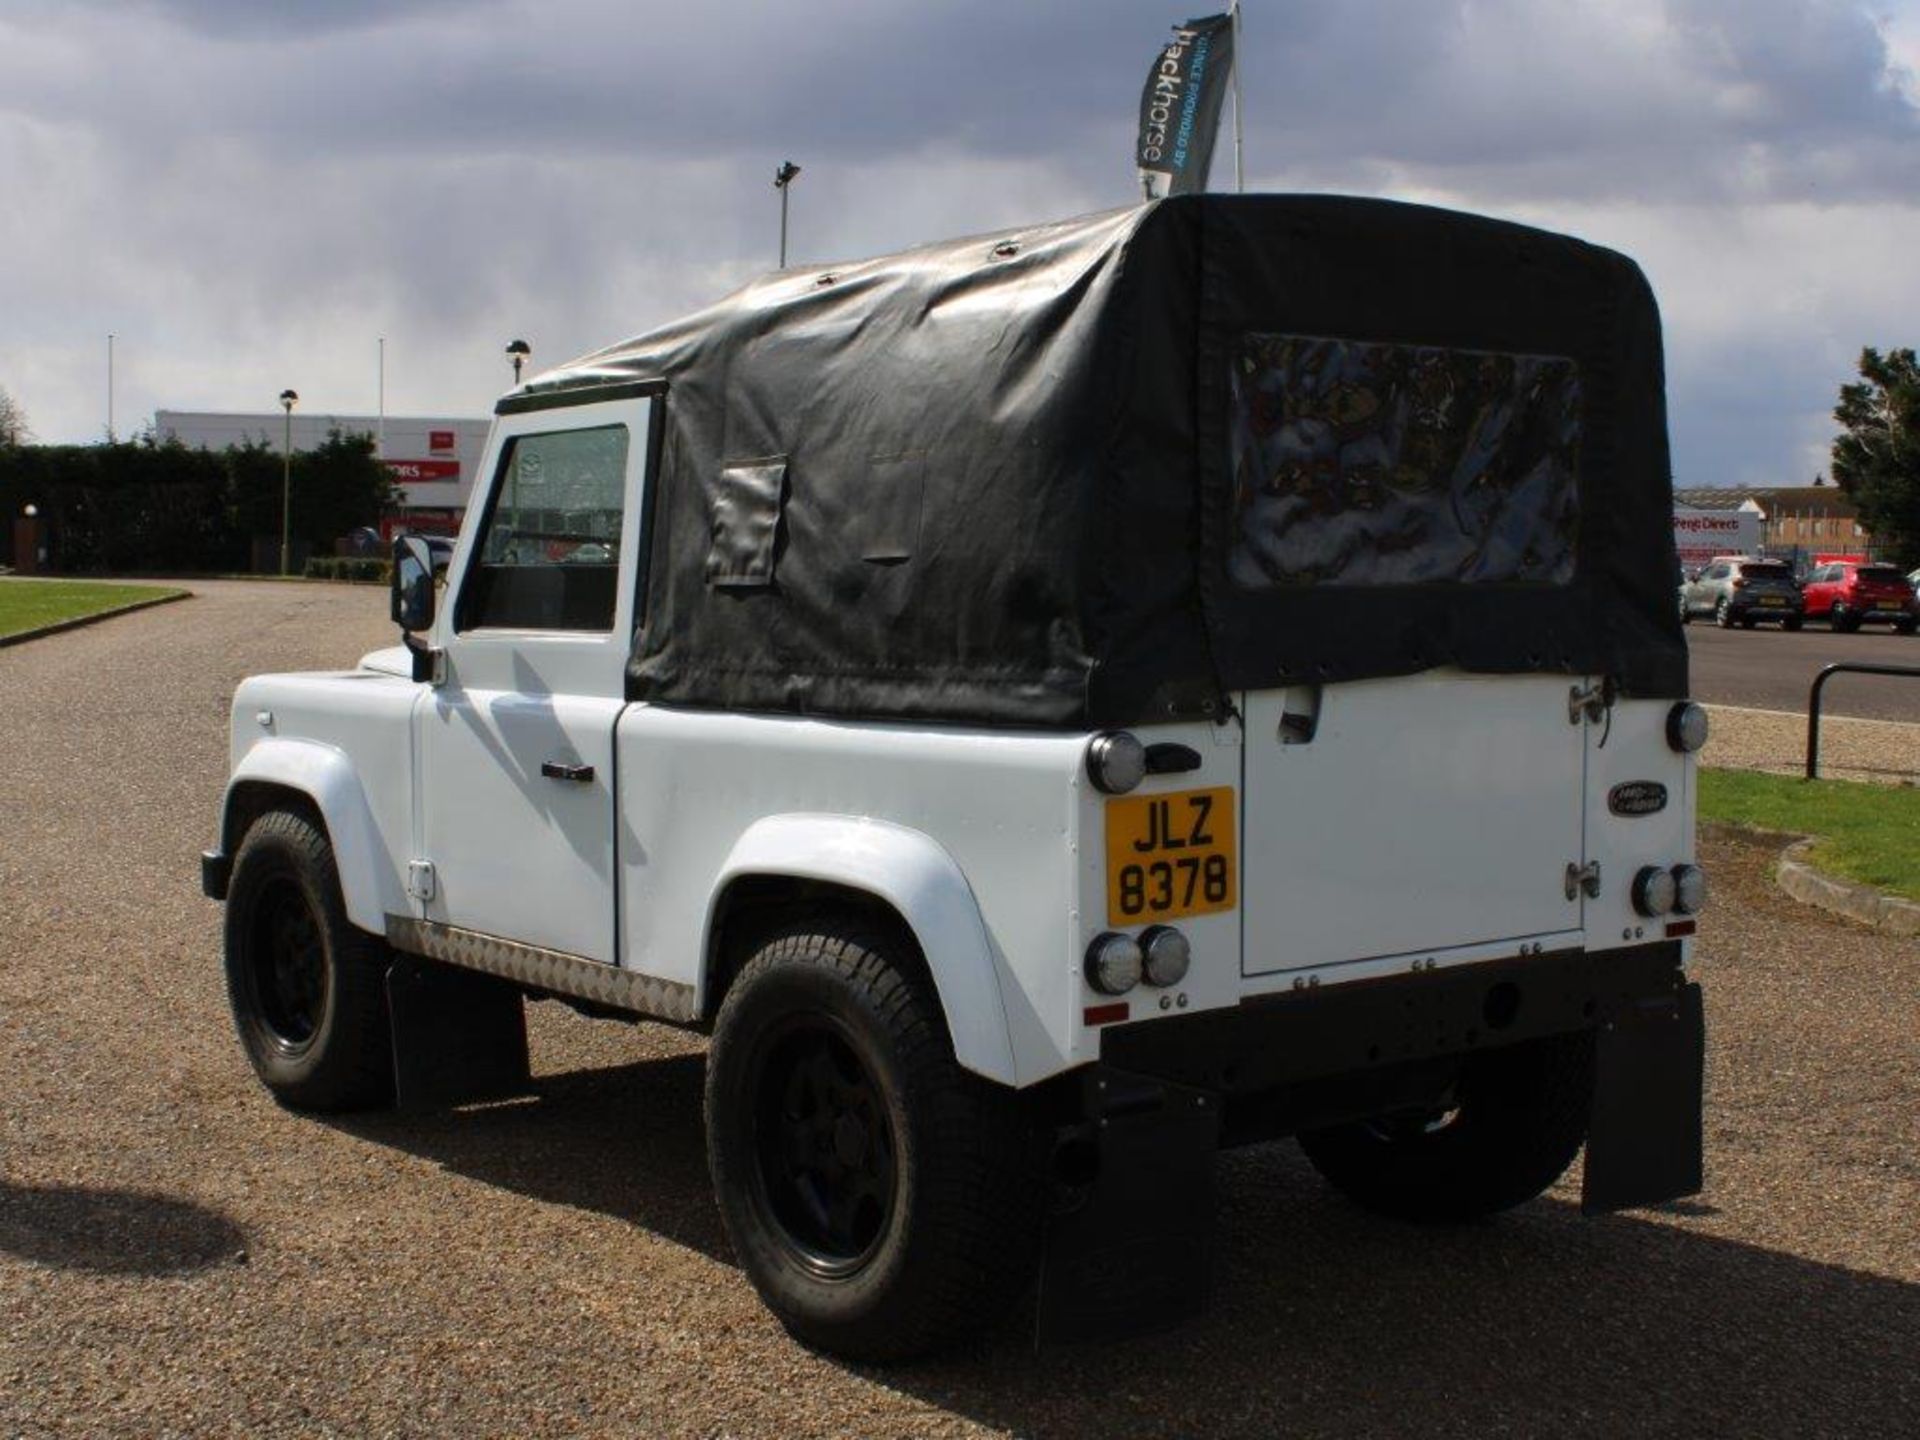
307, 987
1518, 1118
882, 1200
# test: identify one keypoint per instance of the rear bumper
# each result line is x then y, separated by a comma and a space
1757, 610
1328, 1055
1328, 1032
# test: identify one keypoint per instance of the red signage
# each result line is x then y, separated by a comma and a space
440, 441
424, 469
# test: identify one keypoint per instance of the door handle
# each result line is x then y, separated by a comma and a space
561, 770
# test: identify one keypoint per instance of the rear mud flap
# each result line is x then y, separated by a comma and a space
459, 1037
1645, 1142
1128, 1248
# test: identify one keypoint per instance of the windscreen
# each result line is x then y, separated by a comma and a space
1368, 464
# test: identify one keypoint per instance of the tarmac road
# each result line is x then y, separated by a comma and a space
178, 1256
1767, 668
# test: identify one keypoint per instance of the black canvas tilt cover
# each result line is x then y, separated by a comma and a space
1115, 469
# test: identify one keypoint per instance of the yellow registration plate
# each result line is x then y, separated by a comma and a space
1170, 855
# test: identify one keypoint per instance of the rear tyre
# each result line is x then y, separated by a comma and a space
1906, 627
883, 1201
1841, 621
1723, 615
307, 987
1519, 1117
1747, 622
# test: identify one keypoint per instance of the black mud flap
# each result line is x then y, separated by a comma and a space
1645, 1142
1128, 1247
459, 1037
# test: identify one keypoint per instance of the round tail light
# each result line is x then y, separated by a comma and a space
1687, 727
1689, 889
1116, 762
1113, 963
1654, 889
1165, 955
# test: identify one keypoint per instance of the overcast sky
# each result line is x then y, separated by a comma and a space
249, 192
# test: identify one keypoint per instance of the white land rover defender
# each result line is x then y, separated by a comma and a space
1050, 705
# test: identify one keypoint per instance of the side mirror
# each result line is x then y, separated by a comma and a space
413, 599
413, 595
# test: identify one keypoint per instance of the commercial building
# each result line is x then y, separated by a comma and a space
1793, 522
433, 460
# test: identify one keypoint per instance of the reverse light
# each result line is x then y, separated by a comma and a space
1165, 955
1113, 963
1689, 889
1687, 727
1654, 890
1116, 762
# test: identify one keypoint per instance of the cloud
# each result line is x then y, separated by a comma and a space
249, 194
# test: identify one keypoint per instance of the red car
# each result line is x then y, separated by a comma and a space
1849, 594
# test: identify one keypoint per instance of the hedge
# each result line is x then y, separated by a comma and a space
154, 507
349, 567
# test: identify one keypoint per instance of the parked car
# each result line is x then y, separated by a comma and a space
1739, 590
1848, 595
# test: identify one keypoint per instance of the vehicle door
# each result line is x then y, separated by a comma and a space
515, 748
1819, 590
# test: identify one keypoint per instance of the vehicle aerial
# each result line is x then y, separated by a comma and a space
1743, 590
1849, 593
1047, 718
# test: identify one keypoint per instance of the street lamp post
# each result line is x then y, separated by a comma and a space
26, 540
518, 352
287, 401
782, 178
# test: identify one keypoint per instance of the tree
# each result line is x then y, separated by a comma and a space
13, 422
1876, 456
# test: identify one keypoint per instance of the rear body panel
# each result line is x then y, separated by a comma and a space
1426, 814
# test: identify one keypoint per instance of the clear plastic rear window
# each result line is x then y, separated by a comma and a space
1359, 463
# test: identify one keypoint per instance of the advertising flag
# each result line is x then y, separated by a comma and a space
1180, 107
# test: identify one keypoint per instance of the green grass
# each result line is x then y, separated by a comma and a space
1868, 833
29, 604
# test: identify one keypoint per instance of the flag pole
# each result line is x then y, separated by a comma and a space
1239, 164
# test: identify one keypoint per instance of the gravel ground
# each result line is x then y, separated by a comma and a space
180, 1257
1887, 751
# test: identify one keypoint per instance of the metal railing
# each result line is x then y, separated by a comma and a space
1813, 701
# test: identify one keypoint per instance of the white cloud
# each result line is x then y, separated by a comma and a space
249, 194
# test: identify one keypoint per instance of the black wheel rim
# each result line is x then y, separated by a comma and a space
287, 966
826, 1160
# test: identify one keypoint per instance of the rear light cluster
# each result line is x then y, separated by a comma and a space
1116, 963
1687, 727
1658, 891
